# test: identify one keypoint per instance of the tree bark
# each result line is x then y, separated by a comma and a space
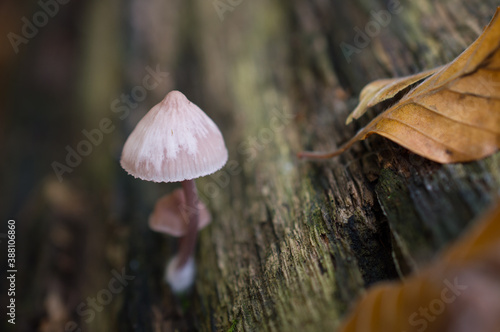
293, 243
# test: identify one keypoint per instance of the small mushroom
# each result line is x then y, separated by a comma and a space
171, 215
176, 142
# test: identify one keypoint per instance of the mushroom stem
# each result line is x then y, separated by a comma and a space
188, 241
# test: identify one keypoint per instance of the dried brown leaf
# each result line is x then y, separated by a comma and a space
384, 89
453, 115
407, 305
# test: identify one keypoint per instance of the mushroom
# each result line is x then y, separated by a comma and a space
171, 215
176, 142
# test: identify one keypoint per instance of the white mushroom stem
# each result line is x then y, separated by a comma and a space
180, 279
188, 241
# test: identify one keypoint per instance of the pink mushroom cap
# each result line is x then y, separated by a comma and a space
170, 215
174, 141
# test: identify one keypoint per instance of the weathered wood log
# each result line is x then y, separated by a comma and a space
292, 243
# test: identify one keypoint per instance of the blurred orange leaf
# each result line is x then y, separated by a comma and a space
434, 299
453, 115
